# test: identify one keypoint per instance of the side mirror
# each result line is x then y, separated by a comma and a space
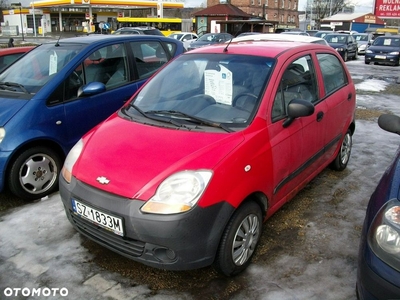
92, 88
298, 108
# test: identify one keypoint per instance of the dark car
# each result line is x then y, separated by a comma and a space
138, 30
378, 275
344, 44
322, 33
384, 50
58, 91
210, 39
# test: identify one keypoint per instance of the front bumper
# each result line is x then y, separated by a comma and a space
381, 58
173, 242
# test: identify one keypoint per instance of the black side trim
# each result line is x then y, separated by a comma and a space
307, 163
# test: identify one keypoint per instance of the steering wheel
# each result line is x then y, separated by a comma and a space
75, 80
252, 103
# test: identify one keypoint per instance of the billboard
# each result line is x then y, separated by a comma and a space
387, 9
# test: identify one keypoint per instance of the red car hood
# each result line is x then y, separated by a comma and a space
135, 158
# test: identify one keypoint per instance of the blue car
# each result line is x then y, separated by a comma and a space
61, 89
378, 275
384, 50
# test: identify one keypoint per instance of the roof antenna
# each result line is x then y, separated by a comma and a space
226, 48
66, 22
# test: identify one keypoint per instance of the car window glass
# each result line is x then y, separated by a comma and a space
6, 60
332, 72
106, 65
298, 82
218, 88
150, 56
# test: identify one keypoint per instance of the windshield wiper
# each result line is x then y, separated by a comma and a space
191, 118
8, 86
157, 119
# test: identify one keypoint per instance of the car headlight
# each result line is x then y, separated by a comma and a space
178, 193
394, 53
362, 47
384, 234
368, 51
2, 133
340, 49
69, 162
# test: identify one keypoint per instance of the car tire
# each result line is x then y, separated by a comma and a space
239, 240
355, 57
35, 173
343, 156
345, 57
366, 62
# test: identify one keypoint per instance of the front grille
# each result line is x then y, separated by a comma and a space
125, 246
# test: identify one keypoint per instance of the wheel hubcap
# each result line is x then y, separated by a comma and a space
345, 149
246, 239
38, 174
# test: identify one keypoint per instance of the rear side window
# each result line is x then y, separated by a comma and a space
150, 56
332, 71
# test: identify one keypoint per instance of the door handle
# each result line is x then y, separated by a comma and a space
320, 115
349, 96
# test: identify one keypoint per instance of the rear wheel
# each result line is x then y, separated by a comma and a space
239, 240
345, 57
355, 57
342, 158
34, 173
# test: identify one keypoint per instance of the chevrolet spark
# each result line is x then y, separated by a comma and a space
61, 89
184, 175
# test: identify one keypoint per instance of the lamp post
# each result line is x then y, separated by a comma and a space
18, 4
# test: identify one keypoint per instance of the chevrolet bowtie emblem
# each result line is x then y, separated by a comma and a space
103, 180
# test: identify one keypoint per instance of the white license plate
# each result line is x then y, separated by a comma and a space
98, 217
380, 56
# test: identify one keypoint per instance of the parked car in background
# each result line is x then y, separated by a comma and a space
185, 173
58, 91
138, 30
295, 32
185, 37
378, 274
312, 32
9, 55
362, 41
210, 39
322, 33
384, 50
281, 37
344, 44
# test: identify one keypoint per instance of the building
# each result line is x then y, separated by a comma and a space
360, 22
75, 15
282, 12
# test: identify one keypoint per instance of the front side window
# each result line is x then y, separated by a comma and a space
332, 72
298, 82
218, 89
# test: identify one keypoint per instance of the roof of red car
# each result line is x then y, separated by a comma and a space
23, 49
262, 48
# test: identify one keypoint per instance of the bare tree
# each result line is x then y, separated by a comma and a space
316, 10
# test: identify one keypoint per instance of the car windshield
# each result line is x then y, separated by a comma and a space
361, 37
209, 37
35, 69
387, 41
333, 38
204, 89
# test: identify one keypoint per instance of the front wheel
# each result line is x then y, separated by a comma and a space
345, 56
34, 174
342, 158
239, 240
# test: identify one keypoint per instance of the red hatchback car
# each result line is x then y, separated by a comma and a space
216, 142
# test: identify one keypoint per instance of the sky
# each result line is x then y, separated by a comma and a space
39, 248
